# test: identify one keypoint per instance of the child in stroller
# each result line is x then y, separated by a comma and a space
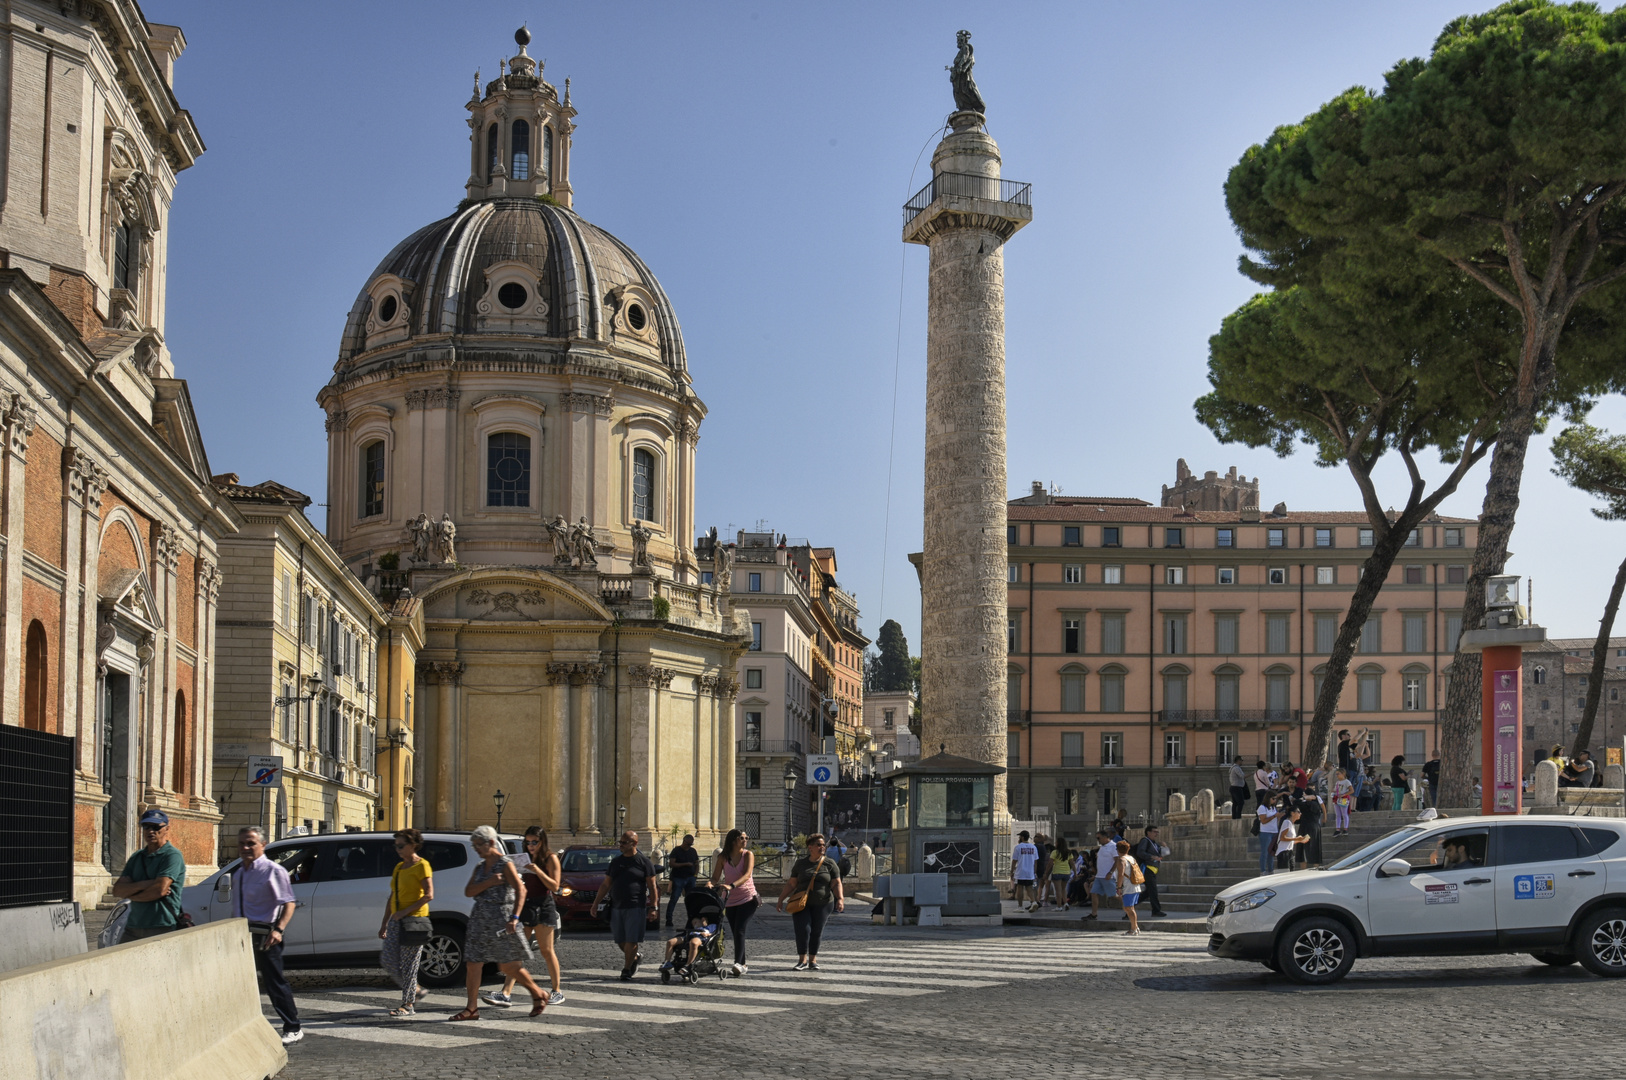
701, 943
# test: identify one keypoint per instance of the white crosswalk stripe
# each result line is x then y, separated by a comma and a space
853, 974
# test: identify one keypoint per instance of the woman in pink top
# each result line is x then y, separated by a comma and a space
732, 871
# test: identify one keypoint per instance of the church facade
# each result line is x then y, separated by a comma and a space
109, 524
512, 434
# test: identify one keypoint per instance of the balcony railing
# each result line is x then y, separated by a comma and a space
1018, 716
749, 745
1228, 716
968, 186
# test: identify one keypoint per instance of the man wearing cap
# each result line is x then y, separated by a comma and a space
152, 881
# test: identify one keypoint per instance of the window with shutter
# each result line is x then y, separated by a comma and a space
1276, 633
1227, 694
1416, 633
1369, 695
1112, 634
1453, 631
1174, 635
1226, 634
1174, 694
1278, 695
1072, 749
1112, 693
1372, 635
1326, 633
1072, 692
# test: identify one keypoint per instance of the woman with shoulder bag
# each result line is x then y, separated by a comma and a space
492, 935
814, 886
733, 874
406, 925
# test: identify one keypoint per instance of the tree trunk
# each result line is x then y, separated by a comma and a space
1374, 572
1459, 727
1600, 654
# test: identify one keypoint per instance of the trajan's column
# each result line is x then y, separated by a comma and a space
964, 216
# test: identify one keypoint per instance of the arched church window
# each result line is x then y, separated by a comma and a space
125, 257
493, 151
547, 155
508, 469
35, 671
643, 485
372, 479
520, 154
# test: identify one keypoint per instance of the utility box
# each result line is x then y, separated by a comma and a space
943, 832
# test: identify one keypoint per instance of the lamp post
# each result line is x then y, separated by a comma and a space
396, 740
790, 786
499, 800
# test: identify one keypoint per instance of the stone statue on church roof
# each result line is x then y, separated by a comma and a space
559, 533
966, 96
446, 539
582, 540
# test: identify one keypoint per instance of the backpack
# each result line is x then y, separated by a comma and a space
1134, 873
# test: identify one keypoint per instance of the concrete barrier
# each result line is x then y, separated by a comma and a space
40, 933
182, 1006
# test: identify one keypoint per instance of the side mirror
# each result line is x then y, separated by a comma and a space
223, 888
1395, 868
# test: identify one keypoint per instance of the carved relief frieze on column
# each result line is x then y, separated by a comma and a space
417, 399
603, 404
166, 546
707, 684
21, 416
650, 675
441, 398
338, 420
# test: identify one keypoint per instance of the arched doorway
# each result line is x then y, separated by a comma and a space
36, 677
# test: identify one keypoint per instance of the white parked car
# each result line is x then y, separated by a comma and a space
340, 883
1553, 887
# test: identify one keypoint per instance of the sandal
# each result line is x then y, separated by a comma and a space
538, 1004
419, 995
403, 1012
467, 1014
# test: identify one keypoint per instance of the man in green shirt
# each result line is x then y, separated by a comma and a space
152, 881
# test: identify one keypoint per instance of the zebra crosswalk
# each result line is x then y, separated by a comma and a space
891, 970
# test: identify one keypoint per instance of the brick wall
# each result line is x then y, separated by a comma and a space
42, 495
45, 604
75, 297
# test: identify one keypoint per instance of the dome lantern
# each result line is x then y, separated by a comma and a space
519, 133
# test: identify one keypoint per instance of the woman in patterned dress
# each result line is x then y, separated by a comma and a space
493, 931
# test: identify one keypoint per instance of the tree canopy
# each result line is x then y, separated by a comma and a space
1499, 160
890, 670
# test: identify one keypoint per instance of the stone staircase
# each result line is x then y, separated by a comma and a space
1207, 859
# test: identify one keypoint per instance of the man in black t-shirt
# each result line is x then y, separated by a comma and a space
633, 894
682, 866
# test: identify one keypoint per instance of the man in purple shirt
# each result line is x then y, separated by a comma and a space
265, 897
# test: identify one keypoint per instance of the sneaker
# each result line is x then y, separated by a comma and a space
556, 998
626, 974
1160, 914
801, 965
812, 965
291, 1037
497, 998
633, 970
667, 966
737, 970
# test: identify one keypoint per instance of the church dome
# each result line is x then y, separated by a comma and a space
514, 267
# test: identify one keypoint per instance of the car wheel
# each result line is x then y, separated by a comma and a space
1600, 942
1554, 959
1316, 951
666, 976
440, 964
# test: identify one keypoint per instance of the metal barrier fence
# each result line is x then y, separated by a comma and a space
36, 817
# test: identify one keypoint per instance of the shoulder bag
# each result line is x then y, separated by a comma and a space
415, 929
797, 900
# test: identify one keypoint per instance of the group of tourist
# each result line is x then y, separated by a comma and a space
1043, 872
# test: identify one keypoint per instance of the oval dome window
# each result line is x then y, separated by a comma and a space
387, 310
635, 317
512, 296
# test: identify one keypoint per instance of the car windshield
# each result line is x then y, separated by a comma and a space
1362, 856
588, 862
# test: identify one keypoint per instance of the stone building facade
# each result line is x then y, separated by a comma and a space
777, 714
886, 722
512, 429
302, 642
1147, 644
110, 576
1212, 491
1555, 689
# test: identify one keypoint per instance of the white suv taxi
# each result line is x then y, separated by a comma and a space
1553, 887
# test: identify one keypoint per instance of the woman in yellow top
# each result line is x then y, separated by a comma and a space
1060, 870
412, 887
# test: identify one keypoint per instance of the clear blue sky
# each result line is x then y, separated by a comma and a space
757, 156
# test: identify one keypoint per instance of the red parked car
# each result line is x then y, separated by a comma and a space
582, 869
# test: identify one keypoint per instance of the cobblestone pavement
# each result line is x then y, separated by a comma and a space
904, 1002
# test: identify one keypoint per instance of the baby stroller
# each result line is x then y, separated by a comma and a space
708, 905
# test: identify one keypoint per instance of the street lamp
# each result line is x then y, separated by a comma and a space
499, 800
790, 786
620, 821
